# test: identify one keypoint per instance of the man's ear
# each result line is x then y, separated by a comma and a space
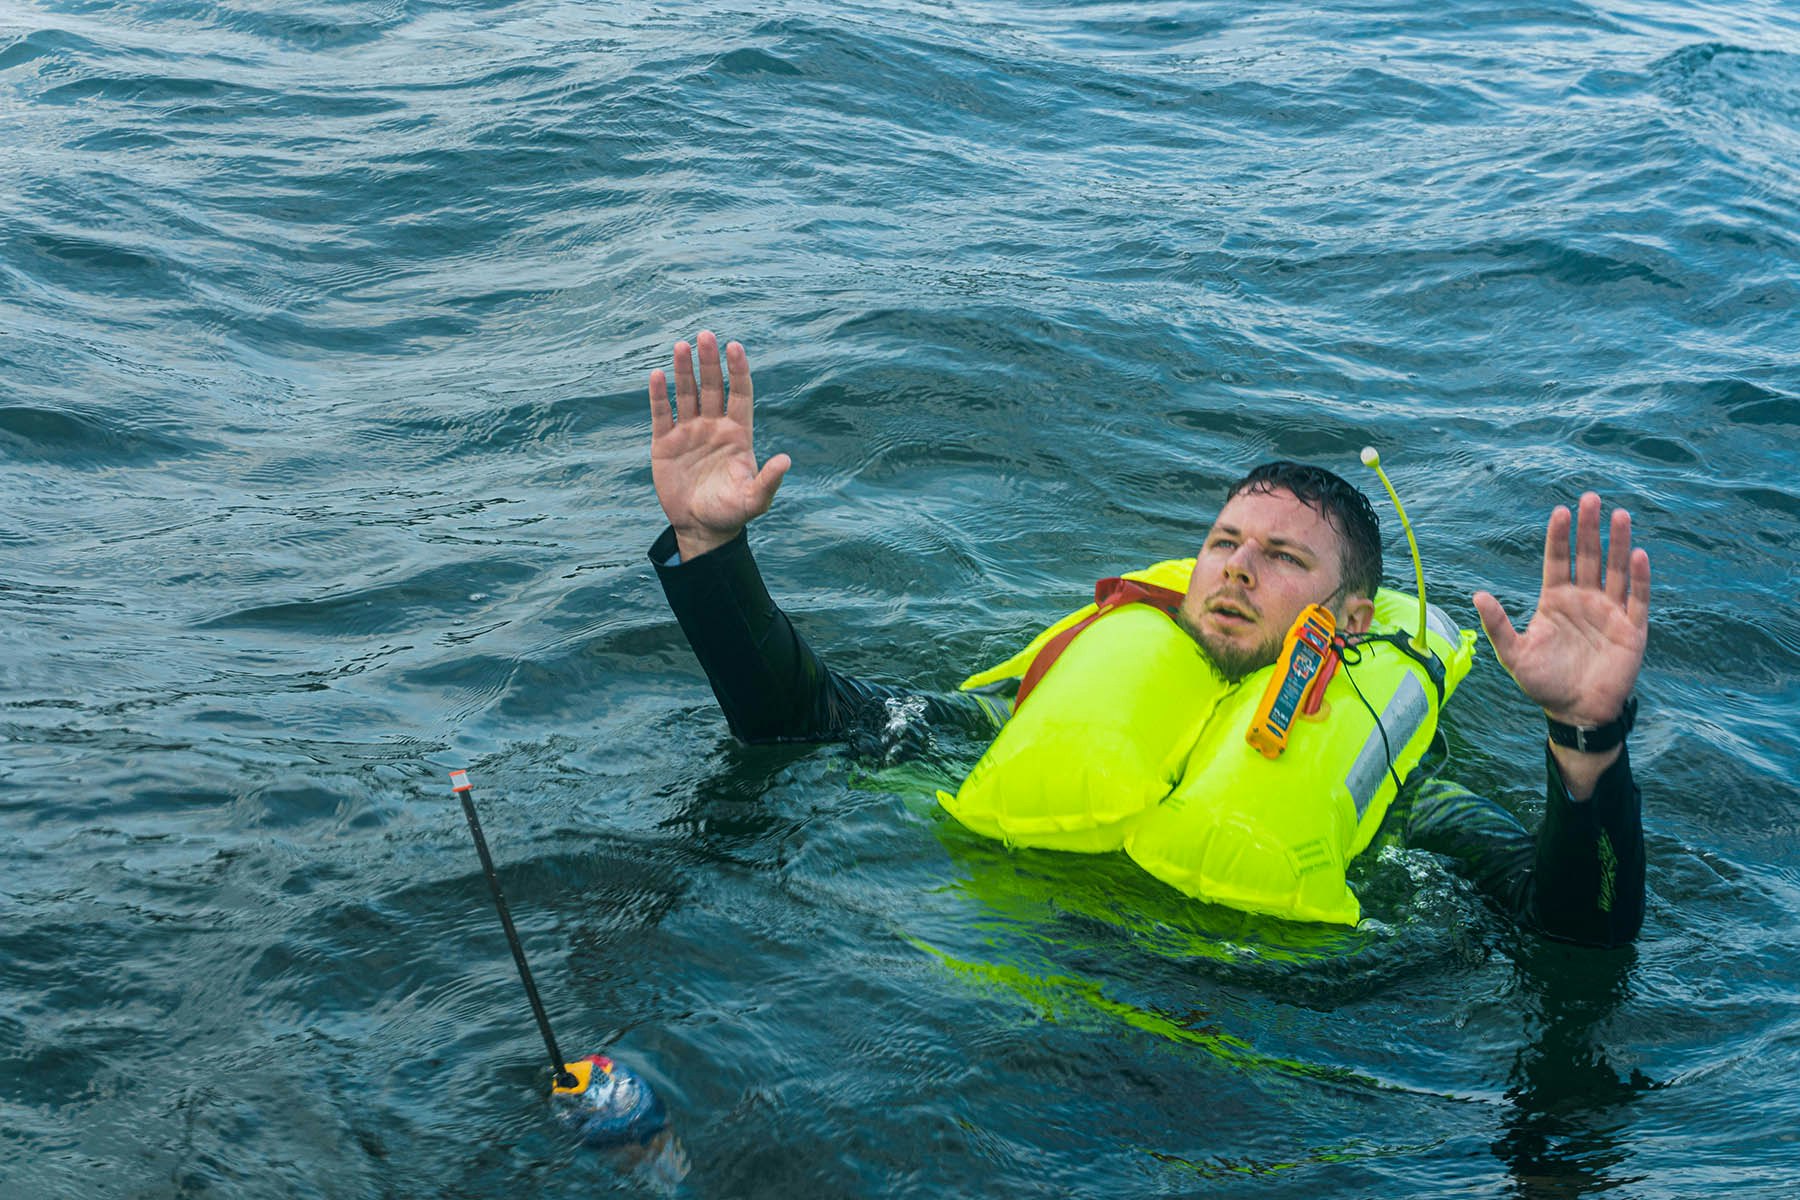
1358, 615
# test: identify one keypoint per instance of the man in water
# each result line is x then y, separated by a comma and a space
1288, 537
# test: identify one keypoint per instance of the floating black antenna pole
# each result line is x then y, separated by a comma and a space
459, 783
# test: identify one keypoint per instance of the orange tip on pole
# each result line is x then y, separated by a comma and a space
459, 781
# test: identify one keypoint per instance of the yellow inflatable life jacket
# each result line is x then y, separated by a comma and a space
1133, 741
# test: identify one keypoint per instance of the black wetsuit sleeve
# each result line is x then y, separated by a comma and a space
1581, 879
770, 684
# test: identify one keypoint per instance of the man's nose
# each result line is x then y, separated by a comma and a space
1241, 566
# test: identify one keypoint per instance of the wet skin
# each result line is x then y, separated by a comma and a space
1267, 557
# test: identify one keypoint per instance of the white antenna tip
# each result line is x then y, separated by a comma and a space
1369, 457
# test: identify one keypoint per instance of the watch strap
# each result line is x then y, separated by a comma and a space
1595, 739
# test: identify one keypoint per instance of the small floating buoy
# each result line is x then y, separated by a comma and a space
608, 1104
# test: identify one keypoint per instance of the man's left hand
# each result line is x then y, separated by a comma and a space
1579, 658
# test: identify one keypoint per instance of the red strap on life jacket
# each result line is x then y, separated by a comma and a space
1108, 594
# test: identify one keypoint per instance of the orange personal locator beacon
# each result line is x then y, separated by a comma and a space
1301, 673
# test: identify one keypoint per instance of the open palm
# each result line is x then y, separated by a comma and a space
702, 457
1579, 657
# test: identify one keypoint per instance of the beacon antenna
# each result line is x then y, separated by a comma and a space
1373, 460
605, 1102
565, 1080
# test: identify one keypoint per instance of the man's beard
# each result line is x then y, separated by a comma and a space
1230, 661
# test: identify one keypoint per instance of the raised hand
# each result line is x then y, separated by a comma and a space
701, 456
1579, 658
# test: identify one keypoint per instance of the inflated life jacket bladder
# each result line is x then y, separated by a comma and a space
1133, 741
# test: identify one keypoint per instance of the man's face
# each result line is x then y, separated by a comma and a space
1265, 559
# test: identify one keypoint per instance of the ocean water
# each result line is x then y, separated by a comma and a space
324, 330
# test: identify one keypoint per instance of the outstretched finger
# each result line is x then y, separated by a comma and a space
687, 397
1556, 549
1637, 605
1618, 556
743, 397
1501, 634
769, 479
1587, 541
712, 382
661, 419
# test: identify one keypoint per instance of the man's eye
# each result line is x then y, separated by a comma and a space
1284, 556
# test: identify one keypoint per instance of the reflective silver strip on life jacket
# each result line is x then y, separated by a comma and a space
1401, 718
1439, 622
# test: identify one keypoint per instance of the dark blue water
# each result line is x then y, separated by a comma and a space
323, 336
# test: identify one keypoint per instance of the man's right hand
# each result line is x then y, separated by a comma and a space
701, 456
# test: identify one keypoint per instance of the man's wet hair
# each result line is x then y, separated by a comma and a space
1340, 503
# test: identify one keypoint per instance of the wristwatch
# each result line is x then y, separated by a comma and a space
1595, 739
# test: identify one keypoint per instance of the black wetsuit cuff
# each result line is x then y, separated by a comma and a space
1613, 797
717, 595
666, 548
765, 678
